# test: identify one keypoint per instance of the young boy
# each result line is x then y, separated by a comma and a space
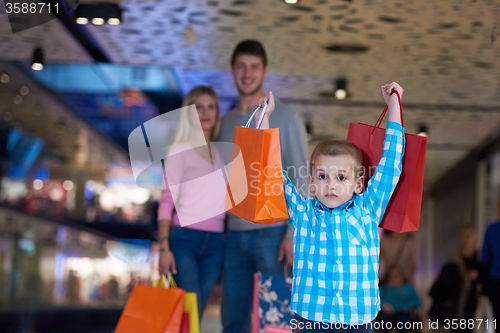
336, 242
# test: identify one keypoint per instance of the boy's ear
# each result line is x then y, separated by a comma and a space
311, 185
360, 184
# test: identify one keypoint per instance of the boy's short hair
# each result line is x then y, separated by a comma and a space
249, 47
336, 147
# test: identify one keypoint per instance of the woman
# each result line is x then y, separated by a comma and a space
193, 253
398, 299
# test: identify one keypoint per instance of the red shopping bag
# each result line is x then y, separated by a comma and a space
152, 310
265, 201
403, 211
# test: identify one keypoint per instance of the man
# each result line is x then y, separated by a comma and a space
491, 259
254, 247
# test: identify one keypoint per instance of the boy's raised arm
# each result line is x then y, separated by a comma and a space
391, 100
382, 184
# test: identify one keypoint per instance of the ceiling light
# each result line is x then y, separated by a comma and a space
37, 61
4, 78
341, 90
114, 21
98, 21
291, 2
82, 20
422, 131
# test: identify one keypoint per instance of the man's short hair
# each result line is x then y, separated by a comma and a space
249, 47
336, 147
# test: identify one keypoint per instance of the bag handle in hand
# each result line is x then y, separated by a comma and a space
379, 121
264, 109
164, 282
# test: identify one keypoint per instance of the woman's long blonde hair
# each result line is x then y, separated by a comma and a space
193, 95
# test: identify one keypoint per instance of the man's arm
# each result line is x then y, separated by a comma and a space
293, 147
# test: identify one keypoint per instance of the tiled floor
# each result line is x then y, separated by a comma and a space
210, 322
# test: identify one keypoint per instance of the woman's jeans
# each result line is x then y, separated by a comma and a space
198, 256
302, 325
246, 253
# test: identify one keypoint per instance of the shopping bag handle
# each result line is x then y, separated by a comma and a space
164, 281
264, 109
379, 121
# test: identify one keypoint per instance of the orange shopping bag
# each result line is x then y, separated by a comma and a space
152, 310
403, 211
261, 151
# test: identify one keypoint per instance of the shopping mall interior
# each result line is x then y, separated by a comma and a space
77, 233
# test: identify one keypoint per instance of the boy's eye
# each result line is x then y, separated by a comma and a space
341, 177
322, 177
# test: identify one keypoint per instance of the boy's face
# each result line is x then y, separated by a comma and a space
249, 73
334, 180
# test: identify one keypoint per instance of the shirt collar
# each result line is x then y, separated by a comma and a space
345, 206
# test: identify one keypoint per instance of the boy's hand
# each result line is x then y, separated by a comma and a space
269, 99
390, 98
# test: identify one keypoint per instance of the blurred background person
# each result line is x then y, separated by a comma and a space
491, 259
456, 291
398, 249
193, 254
398, 300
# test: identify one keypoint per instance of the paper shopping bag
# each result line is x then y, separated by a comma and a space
191, 311
271, 311
154, 310
403, 211
185, 323
265, 201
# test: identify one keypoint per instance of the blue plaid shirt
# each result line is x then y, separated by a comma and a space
336, 250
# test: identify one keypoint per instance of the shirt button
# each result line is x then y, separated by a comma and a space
337, 230
338, 261
338, 294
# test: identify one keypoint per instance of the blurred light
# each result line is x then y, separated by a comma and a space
340, 94
84, 267
114, 21
37, 184
56, 194
68, 185
422, 131
18, 99
98, 21
82, 20
37, 66
139, 195
24, 90
4, 78
37, 62
7, 116
291, 2
341, 89
107, 200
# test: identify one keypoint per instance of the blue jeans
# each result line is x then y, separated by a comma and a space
246, 253
302, 325
198, 256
